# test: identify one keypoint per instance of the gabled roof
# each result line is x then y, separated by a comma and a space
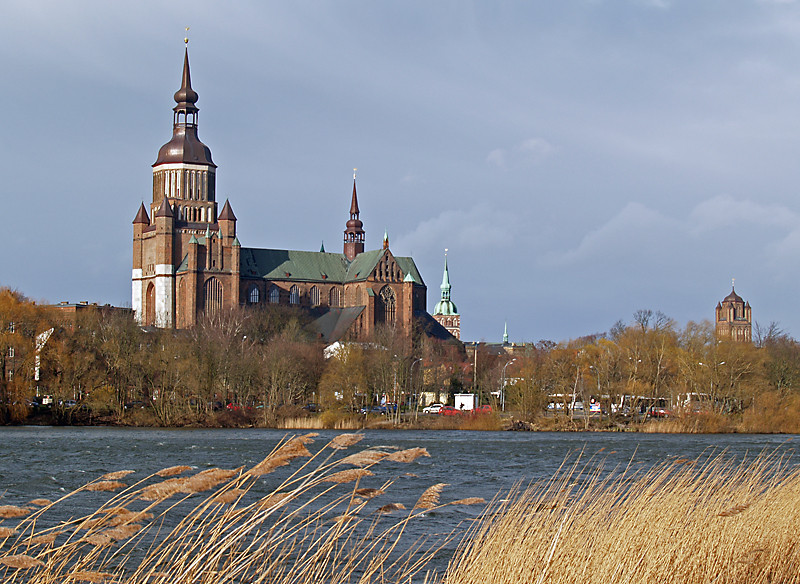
287, 264
315, 266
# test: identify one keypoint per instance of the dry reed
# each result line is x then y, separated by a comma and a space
430, 498
171, 471
104, 486
708, 522
12, 511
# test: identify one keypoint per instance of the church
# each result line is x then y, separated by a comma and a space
188, 262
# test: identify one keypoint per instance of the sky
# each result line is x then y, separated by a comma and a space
579, 159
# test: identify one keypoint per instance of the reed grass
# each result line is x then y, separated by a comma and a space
213, 526
708, 520
704, 521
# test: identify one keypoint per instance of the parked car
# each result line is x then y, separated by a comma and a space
432, 409
448, 411
373, 410
484, 409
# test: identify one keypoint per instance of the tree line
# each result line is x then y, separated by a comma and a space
263, 363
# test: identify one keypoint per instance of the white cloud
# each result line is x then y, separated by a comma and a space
529, 152
722, 212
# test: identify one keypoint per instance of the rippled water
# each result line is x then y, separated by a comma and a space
49, 462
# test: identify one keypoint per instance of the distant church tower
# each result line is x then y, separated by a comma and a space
354, 234
186, 260
445, 312
734, 319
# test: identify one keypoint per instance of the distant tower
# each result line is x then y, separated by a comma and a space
734, 319
505, 333
445, 312
354, 234
186, 261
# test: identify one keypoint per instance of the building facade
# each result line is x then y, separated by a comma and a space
188, 262
734, 319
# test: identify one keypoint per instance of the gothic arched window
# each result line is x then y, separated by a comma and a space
294, 295
386, 306
253, 295
314, 296
212, 293
333, 298
274, 294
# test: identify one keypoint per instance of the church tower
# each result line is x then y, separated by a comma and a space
445, 311
734, 320
184, 262
354, 234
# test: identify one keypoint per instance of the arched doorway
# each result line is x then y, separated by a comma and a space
150, 305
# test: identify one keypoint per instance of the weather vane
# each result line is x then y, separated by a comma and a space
186, 38
354, 173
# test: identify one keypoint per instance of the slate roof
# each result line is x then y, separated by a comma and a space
333, 325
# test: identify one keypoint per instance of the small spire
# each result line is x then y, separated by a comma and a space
186, 97
445, 280
227, 213
354, 212
505, 333
141, 216
385, 239
165, 210
322, 247
733, 283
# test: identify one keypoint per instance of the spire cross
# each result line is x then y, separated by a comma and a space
186, 38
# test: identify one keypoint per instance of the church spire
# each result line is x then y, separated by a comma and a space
185, 146
445, 281
354, 233
505, 333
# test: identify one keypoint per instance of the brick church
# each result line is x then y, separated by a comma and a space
188, 262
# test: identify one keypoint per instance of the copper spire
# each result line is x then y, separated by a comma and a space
354, 212
186, 97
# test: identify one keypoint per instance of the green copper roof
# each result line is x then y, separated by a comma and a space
311, 266
193, 239
184, 263
445, 306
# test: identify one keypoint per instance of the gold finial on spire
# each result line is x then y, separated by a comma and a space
354, 173
186, 38
445, 252
733, 282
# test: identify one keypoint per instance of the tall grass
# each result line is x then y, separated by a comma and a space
212, 527
690, 521
685, 522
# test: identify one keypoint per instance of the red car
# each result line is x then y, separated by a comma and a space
448, 411
484, 409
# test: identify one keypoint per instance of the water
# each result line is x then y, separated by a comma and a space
45, 462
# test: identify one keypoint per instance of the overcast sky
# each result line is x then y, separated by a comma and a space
581, 159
